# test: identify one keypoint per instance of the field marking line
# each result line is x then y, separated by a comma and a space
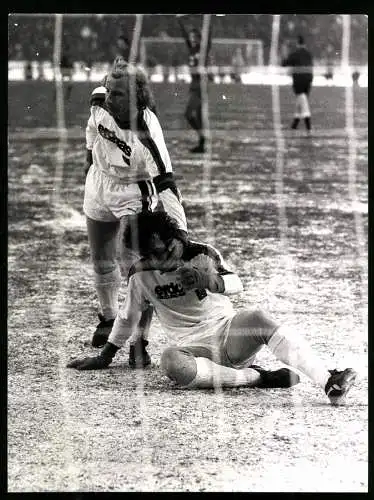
246, 135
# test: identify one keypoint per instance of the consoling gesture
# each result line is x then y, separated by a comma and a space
209, 338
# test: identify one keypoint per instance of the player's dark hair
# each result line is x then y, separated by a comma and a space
300, 40
141, 228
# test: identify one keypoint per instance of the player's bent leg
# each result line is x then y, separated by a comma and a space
198, 372
249, 332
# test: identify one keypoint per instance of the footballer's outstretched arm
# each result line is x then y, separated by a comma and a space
125, 323
184, 32
121, 331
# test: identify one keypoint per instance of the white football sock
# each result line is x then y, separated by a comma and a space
107, 288
210, 374
293, 350
299, 106
305, 111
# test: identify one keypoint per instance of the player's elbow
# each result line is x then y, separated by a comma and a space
233, 284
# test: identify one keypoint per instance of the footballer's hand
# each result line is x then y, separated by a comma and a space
175, 249
192, 278
95, 363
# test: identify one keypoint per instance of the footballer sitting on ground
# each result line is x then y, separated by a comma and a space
210, 342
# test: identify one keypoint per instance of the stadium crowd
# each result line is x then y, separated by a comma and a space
91, 36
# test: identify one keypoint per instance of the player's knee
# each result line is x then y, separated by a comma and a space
179, 365
260, 319
104, 266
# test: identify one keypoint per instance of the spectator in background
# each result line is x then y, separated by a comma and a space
355, 77
330, 53
238, 64
122, 47
301, 62
67, 68
18, 52
28, 71
85, 48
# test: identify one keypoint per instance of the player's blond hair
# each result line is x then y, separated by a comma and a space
122, 69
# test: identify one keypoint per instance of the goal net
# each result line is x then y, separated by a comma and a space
171, 52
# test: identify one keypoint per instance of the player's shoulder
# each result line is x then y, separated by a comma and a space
97, 96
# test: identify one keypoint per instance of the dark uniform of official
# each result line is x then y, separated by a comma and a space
301, 62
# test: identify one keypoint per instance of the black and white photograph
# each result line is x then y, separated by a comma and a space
187, 254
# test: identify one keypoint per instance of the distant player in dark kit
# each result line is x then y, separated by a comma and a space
193, 111
67, 70
301, 62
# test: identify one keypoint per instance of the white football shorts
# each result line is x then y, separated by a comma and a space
212, 345
107, 198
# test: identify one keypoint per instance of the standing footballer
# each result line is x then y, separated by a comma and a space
193, 111
301, 62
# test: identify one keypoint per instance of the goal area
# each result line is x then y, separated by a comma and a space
172, 52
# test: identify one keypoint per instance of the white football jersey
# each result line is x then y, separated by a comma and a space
120, 151
185, 316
